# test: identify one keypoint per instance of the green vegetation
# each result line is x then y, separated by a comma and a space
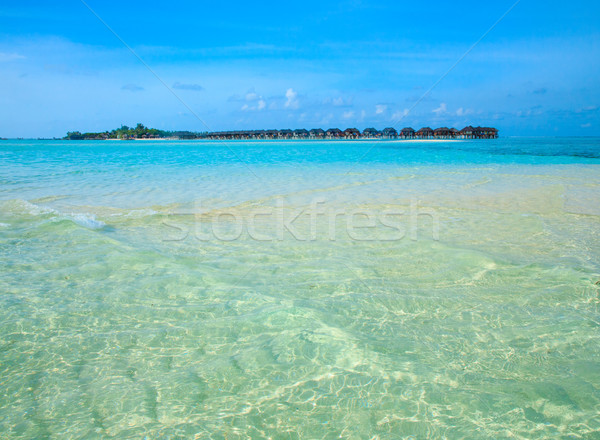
139, 132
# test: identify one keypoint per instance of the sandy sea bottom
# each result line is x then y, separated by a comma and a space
165, 297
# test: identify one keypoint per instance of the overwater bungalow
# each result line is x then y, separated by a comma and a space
285, 134
486, 133
389, 133
316, 133
334, 133
351, 133
371, 133
424, 133
407, 133
300, 133
454, 132
467, 133
271, 134
442, 133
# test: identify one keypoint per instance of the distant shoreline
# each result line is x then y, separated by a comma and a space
292, 140
299, 140
389, 133
245, 140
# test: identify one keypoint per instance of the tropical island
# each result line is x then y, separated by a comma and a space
143, 132
139, 132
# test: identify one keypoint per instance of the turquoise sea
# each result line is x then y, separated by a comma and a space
300, 290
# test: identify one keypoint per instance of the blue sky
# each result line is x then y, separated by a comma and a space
241, 65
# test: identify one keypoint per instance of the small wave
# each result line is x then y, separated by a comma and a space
87, 221
19, 206
136, 213
23, 207
139, 213
4, 225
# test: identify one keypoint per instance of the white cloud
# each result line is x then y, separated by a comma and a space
591, 108
380, 109
338, 101
260, 105
462, 112
5, 57
292, 99
194, 87
400, 114
254, 102
441, 109
326, 119
132, 88
588, 125
348, 115
363, 115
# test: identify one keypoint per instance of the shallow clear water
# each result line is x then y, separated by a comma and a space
300, 289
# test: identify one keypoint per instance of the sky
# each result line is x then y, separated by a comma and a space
205, 66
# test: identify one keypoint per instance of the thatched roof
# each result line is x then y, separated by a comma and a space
389, 131
370, 132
